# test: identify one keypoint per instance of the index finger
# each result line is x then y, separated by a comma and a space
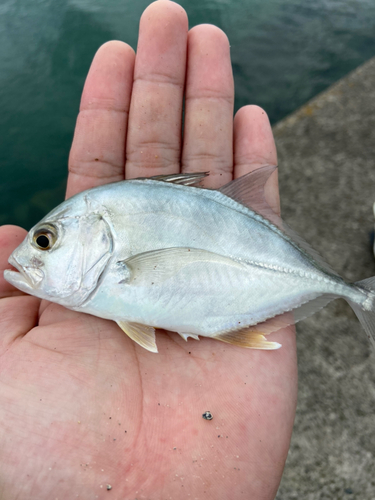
98, 150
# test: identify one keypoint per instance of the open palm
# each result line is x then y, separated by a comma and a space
83, 409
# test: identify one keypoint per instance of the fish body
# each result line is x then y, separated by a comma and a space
156, 253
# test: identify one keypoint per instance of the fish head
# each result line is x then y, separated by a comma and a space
63, 256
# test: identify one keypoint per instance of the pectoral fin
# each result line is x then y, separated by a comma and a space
247, 338
156, 266
142, 334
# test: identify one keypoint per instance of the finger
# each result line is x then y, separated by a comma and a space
10, 238
98, 150
254, 147
154, 138
208, 128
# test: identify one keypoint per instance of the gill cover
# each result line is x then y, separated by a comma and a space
90, 254
72, 267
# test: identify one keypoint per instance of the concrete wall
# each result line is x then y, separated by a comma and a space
327, 183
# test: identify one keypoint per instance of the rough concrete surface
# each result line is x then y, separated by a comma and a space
327, 182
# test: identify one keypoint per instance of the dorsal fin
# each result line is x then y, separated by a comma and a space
249, 191
189, 179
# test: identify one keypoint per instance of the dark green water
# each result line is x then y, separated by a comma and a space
283, 51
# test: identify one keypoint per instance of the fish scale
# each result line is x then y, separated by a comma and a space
161, 253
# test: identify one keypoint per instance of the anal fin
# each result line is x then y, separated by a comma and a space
251, 339
185, 336
143, 335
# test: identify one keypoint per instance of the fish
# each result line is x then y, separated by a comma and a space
165, 253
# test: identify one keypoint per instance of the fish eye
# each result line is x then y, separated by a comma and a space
45, 237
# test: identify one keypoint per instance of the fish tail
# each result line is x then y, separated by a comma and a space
365, 311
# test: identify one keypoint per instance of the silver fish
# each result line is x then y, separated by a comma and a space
163, 253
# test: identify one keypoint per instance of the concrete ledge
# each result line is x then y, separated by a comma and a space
327, 183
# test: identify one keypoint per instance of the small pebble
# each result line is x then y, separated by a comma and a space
207, 415
109, 487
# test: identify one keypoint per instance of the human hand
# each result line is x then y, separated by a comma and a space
81, 405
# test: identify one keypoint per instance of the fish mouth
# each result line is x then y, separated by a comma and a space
25, 278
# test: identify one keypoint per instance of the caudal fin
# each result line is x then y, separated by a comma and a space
366, 315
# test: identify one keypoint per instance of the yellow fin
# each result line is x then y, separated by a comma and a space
247, 338
144, 335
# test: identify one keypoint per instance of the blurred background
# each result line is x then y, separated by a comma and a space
283, 51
